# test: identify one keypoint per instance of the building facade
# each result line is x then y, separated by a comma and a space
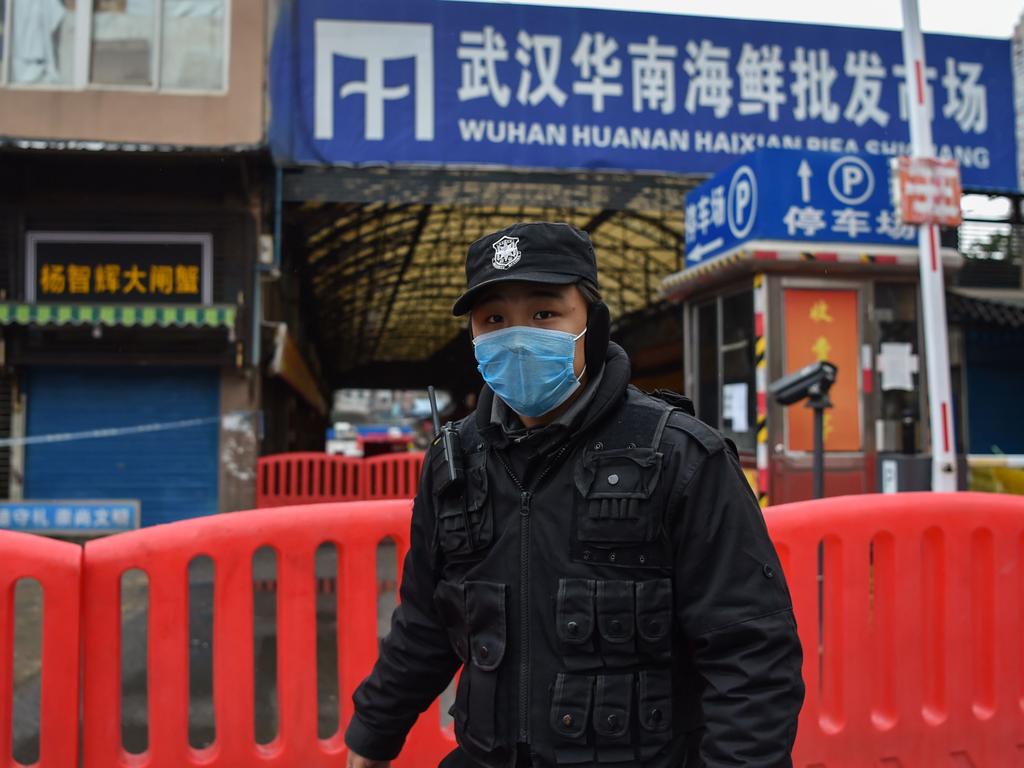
131, 145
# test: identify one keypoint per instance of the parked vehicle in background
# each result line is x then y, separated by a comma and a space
368, 422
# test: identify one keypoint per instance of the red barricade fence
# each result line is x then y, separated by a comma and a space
391, 475
913, 635
914, 640
56, 565
286, 479
230, 540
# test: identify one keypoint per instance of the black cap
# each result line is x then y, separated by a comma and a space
535, 252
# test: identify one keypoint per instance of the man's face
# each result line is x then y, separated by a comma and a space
539, 305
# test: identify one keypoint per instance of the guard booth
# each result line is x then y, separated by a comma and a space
791, 258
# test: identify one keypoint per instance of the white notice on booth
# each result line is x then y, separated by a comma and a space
897, 363
734, 406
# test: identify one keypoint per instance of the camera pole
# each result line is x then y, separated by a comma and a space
810, 383
818, 400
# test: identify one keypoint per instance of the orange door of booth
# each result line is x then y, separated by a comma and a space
822, 324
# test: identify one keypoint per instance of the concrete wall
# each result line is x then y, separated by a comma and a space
206, 120
239, 440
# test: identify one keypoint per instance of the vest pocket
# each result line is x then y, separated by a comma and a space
654, 618
574, 622
613, 715
570, 719
485, 608
615, 622
654, 711
457, 506
570, 706
616, 730
615, 486
450, 601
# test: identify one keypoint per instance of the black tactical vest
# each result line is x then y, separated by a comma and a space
558, 597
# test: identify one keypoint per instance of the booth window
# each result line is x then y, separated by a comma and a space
726, 396
896, 314
173, 45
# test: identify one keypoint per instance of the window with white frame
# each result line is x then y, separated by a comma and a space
723, 337
173, 45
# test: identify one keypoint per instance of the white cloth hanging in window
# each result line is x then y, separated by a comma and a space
34, 46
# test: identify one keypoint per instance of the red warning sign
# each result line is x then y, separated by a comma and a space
927, 190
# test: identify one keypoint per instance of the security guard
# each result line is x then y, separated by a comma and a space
600, 568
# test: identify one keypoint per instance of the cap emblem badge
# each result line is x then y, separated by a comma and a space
506, 252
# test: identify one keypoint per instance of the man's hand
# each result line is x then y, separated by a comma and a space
358, 761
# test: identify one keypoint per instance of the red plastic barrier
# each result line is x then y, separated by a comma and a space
285, 479
916, 655
230, 540
913, 645
392, 475
56, 565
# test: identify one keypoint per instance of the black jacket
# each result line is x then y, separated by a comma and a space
616, 598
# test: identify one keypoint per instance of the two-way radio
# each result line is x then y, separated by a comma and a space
448, 436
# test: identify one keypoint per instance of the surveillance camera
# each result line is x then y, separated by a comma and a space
814, 379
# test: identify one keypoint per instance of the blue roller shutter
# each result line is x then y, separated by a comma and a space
172, 472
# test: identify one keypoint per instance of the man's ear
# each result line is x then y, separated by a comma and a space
595, 343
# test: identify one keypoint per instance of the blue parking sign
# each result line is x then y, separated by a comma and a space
788, 195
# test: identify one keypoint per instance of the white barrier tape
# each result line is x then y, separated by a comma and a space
65, 437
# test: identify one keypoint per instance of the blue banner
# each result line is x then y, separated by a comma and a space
778, 194
428, 81
72, 517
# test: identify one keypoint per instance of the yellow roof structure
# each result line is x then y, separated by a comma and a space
383, 275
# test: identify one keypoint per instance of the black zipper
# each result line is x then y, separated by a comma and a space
525, 504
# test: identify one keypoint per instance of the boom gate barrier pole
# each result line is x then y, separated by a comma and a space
933, 297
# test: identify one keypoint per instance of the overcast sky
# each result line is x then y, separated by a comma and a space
990, 18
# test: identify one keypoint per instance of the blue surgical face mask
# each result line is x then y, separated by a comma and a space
531, 369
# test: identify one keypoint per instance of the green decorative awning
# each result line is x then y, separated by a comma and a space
125, 315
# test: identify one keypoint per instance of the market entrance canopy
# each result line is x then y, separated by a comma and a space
382, 277
530, 87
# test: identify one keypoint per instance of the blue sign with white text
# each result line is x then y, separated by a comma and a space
428, 81
72, 517
777, 194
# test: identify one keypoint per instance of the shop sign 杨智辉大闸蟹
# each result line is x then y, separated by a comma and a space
119, 267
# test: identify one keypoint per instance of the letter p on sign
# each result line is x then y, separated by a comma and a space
741, 208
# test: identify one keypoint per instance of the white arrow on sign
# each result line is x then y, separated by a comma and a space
696, 253
804, 172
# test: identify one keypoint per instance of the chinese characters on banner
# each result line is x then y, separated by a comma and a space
559, 87
116, 268
69, 517
824, 325
780, 194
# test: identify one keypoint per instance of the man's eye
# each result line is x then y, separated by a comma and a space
544, 314
494, 319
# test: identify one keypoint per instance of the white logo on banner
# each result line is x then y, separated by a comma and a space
374, 43
506, 252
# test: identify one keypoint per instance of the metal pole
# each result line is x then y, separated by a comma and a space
819, 452
933, 292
